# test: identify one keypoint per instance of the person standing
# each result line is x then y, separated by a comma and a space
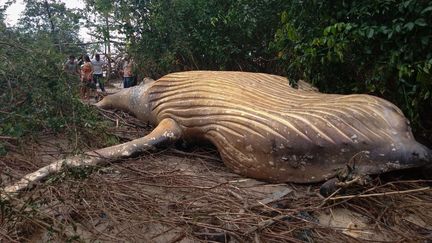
86, 78
71, 66
128, 77
98, 65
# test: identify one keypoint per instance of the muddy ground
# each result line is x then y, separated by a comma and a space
185, 194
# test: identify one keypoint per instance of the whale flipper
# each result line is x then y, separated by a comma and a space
165, 133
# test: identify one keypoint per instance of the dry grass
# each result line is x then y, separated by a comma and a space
178, 196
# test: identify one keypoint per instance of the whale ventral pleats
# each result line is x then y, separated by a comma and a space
266, 129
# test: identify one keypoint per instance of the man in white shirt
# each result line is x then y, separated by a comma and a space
98, 65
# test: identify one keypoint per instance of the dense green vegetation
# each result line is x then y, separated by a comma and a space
376, 47
197, 34
36, 94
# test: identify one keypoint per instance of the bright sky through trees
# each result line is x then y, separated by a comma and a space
14, 11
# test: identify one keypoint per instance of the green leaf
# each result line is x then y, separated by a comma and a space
383, 29
327, 30
284, 17
398, 28
330, 42
406, 3
424, 40
409, 26
390, 34
428, 9
420, 22
370, 33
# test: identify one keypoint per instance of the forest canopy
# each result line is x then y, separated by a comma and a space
381, 48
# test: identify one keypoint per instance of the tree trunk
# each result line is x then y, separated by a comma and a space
53, 29
108, 40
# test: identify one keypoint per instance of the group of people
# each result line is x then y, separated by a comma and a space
91, 73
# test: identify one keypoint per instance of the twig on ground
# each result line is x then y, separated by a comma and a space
381, 194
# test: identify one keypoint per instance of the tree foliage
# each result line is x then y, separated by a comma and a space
2, 17
174, 35
52, 18
100, 18
36, 94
